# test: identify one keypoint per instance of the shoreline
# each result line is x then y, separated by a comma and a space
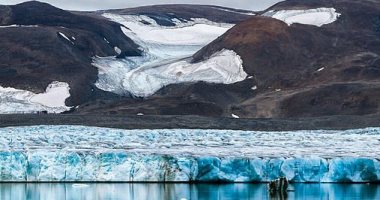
130, 122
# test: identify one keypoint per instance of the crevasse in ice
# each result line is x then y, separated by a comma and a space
77, 153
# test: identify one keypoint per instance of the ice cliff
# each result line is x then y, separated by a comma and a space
77, 153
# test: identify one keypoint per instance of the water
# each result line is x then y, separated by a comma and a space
107, 191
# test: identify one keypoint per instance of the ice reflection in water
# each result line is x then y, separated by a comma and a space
9, 191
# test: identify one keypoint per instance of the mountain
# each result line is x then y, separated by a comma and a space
296, 59
308, 68
301, 59
165, 15
48, 53
41, 44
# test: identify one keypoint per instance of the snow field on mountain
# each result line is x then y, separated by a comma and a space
22, 101
316, 17
166, 53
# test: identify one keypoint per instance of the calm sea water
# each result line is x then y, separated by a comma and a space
182, 191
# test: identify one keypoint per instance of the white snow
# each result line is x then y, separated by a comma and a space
254, 87
79, 153
234, 11
223, 67
22, 101
64, 36
196, 32
235, 116
320, 69
19, 26
165, 59
317, 17
117, 50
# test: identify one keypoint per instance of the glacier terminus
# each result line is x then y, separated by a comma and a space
91, 154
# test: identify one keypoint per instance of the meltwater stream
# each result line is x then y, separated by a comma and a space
183, 191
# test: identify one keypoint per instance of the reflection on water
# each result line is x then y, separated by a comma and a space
106, 191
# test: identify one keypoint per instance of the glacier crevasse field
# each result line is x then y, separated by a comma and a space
78, 153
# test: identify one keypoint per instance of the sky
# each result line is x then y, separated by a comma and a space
108, 4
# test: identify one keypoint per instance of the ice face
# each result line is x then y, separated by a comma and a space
166, 57
316, 17
77, 153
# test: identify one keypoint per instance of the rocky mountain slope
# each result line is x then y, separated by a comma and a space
43, 47
302, 59
41, 44
296, 59
307, 69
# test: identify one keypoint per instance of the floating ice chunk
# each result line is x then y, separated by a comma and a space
22, 101
317, 17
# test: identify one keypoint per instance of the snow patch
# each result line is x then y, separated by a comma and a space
234, 11
22, 101
19, 26
235, 116
195, 32
320, 69
64, 36
117, 50
316, 17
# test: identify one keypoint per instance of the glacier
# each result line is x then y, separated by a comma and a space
166, 56
79, 153
316, 17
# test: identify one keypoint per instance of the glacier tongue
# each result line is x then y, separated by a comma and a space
77, 153
166, 57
